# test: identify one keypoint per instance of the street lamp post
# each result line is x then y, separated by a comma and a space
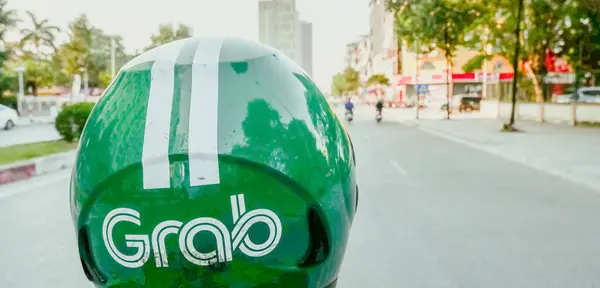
417, 78
485, 66
20, 70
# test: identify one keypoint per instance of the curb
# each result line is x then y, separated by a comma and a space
37, 166
525, 162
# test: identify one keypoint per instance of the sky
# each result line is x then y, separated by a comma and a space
335, 22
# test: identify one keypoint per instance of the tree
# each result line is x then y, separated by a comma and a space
40, 35
167, 33
442, 25
351, 80
510, 125
75, 54
8, 20
378, 79
38, 73
100, 56
104, 79
338, 85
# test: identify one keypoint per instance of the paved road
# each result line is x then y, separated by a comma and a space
441, 215
28, 134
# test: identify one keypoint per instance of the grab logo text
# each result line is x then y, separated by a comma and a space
226, 241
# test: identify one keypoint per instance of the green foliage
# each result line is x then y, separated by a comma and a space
37, 74
89, 48
104, 79
75, 54
435, 24
475, 63
338, 85
351, 80
40, 35
100, 56
8, 19
10, 101
166, 34
71, 120
378, 79
33, 150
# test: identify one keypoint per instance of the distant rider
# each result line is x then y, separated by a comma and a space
349, 106
379, 106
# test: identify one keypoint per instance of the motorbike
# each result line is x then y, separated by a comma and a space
349, 116
378, 117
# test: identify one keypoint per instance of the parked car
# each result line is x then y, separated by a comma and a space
469, 104
464, 103
8, 117
587, 95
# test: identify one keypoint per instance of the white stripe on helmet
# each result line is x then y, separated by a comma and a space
155, 151
203, 129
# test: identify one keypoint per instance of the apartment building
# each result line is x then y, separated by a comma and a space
280, 27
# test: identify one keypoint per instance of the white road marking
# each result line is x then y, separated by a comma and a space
514, 158
155, 150
204, 106
399, 168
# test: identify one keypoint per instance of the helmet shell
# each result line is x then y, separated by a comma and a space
213, 162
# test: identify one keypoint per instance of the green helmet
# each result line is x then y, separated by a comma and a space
213, 162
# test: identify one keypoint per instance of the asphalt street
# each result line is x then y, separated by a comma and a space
23, 134
432, 213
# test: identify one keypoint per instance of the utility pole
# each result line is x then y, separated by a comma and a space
417, 78
113, 57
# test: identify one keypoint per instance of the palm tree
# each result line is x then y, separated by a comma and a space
8, 19
42, 33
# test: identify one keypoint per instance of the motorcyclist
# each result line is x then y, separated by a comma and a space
185, 153
379, 105
349, 106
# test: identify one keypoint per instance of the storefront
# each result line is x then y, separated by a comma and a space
432, 89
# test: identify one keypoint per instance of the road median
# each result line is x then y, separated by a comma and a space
21, 162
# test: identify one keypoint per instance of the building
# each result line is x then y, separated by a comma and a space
279, 27
306, 47
364, 59
401, 66
385, 49
432, 73
352, 56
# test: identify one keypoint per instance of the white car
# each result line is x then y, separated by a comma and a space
588, 95
8, 117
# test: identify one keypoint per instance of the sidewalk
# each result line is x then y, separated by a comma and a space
29, 120
564, 151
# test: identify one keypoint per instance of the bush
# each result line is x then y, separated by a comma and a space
9, 101
71, 120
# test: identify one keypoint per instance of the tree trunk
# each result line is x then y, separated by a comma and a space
515, 67
33, 86
448, 57
34, 89
536, 84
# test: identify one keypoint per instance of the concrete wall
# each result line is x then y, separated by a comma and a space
543, 112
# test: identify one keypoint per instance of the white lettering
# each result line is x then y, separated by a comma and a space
226, 242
